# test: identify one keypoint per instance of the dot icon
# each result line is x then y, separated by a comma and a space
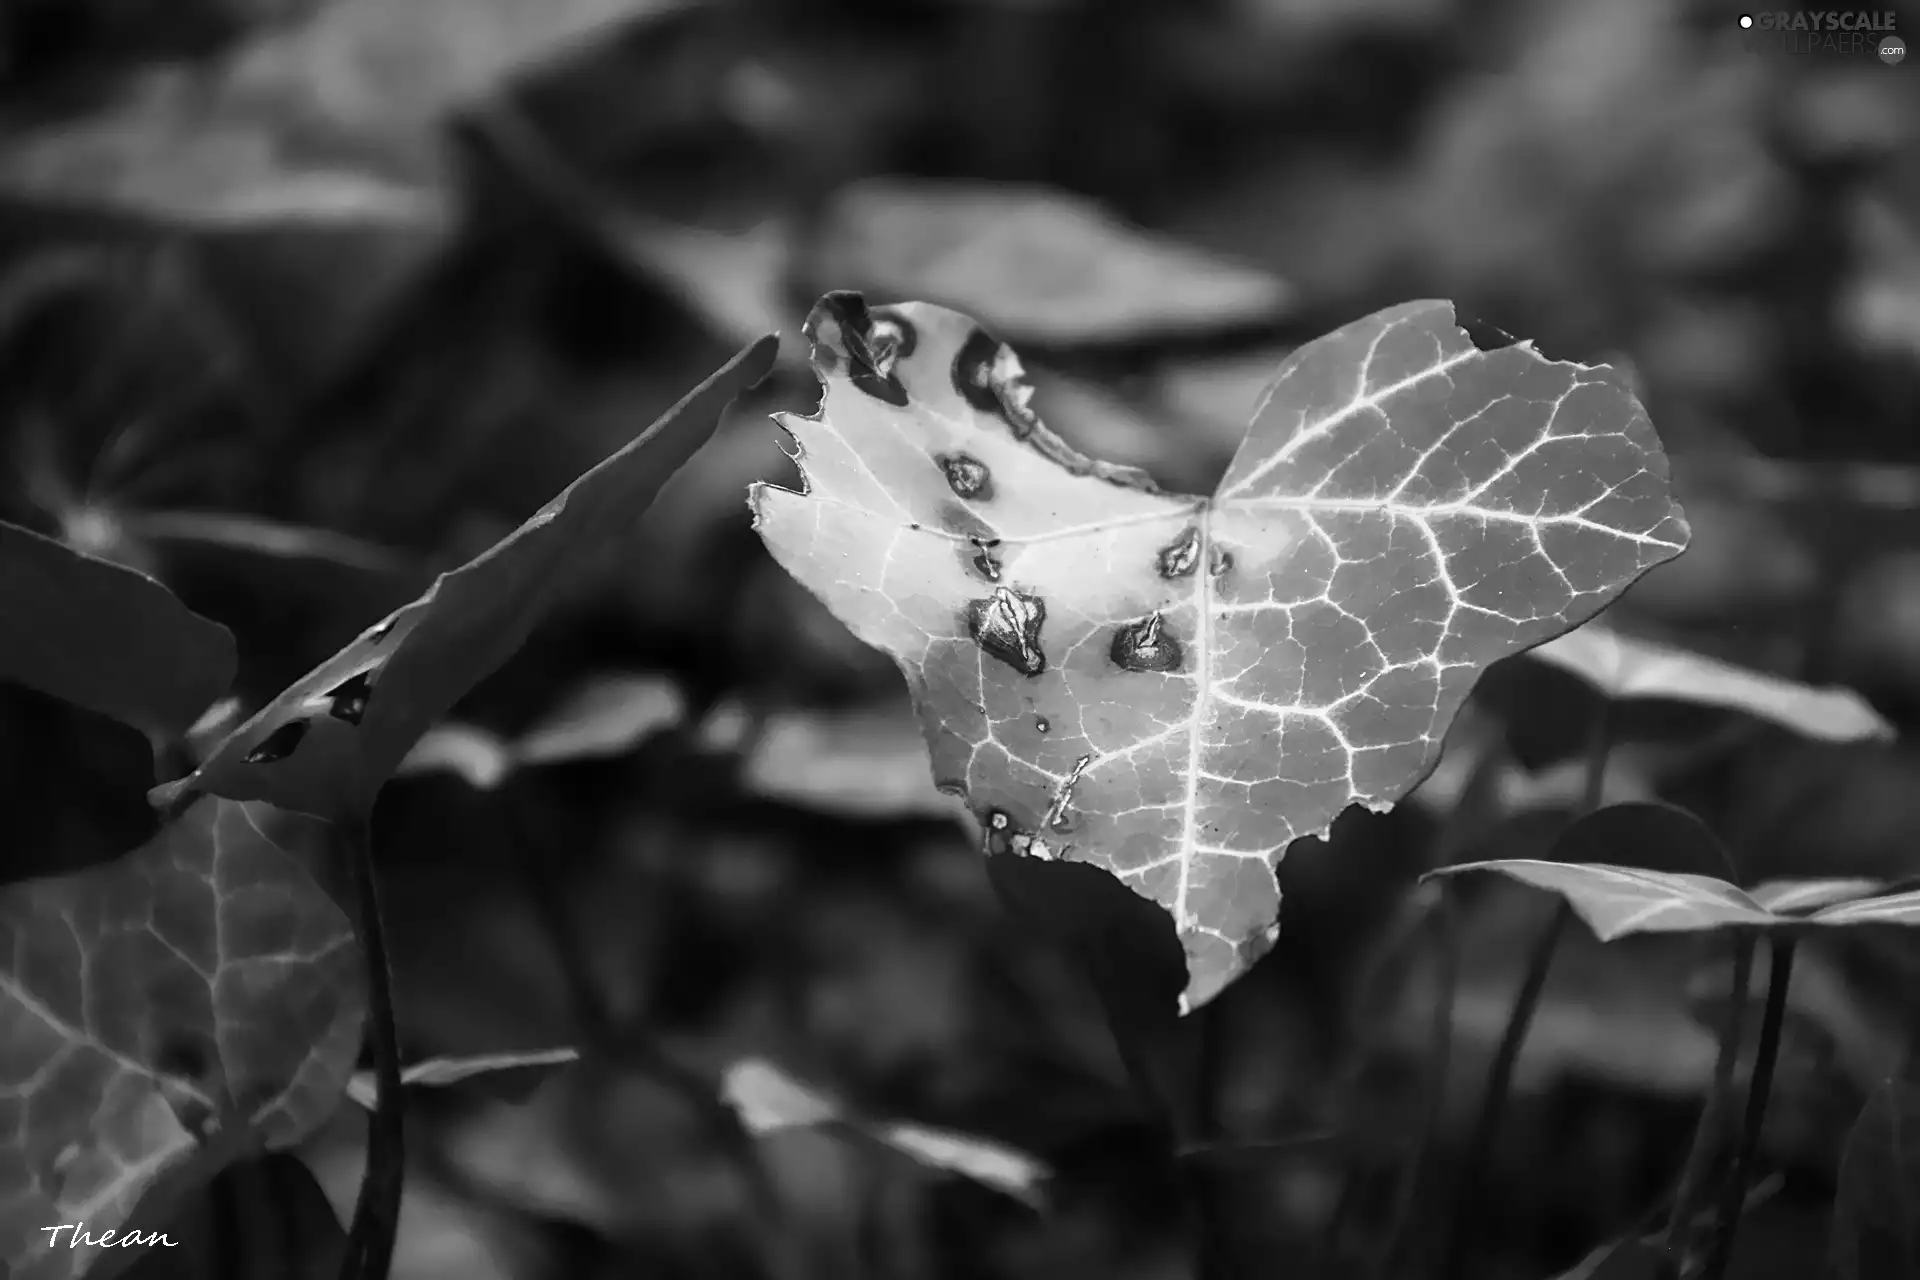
1892, 50
1746, 21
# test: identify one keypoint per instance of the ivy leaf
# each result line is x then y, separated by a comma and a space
1876, 1211
159, 1016
1893, 908
1803, 897
768, 1100
1623, 667
327, 744
1175, 688
65, 626
1617, 901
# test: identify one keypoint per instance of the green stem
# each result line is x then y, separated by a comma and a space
1711, 1131
1446, 978
1539, 961
1499, 1082
1733, 1196
376, 1214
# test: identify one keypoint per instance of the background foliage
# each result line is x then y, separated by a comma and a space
301, 302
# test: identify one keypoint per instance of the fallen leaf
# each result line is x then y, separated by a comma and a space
1175, 688
481, 759
106, 638
440, 1072
1621, 666
869, 762
1876, 1211
1040, 264
608, 715
768, 1100
605, 716
161, 1015
328, 743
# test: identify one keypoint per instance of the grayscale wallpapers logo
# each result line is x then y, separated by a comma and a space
1842, 33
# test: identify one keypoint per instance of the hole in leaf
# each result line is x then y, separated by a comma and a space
350, 698
984, 559
1180, 557
870, 354
1146, 645
279, 744
1006, 625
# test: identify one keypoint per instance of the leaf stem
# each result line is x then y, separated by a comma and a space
376, 1214
1734, 1194
1711, 1131
1539, 961
1500, 1080
1446, 978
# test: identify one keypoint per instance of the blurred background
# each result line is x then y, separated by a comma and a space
302, 301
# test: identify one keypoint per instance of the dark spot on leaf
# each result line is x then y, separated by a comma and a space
963, 523
1179, 558
1219, 561
870, 353
986, 375
382, 631
985, 561
1006, 625
915, 526
1485, 336
1041, 723
1146, 645
891, 329
350, 698
279, 744
967, 476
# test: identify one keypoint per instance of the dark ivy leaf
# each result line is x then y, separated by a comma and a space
329, 742
1175, 688
106, 638
196, 1000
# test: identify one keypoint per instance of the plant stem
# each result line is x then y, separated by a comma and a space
1734, 1195
1500, 1080
1446, 976
1711, 1130
1539, 960
376, 1214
